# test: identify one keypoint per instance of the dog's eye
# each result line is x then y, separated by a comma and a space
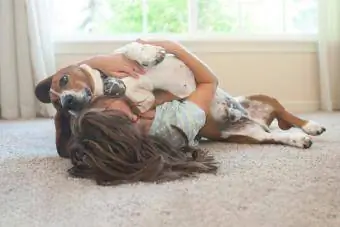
63, 81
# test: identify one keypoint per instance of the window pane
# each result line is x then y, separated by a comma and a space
301, 16
98, 17
261, 16
167, 16
116, 17
219, 16
67, 19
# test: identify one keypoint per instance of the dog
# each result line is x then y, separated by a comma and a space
244, 119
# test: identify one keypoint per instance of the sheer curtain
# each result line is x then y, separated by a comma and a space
26, 56
329, 54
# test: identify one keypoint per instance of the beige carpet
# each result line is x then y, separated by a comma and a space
262, 185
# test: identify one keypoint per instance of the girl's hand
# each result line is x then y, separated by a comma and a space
171, 47
116, 64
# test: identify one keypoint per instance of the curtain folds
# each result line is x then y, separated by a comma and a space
329, 54
26, 57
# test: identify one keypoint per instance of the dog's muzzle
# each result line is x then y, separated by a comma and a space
75, 101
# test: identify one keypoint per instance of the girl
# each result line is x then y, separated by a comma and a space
118, 145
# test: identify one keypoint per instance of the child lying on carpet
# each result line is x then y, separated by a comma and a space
114, 144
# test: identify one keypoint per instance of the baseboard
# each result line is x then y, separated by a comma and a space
301, 106
336, 104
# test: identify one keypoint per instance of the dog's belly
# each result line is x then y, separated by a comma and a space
259, 111
174, 76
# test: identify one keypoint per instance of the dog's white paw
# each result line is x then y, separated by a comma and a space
145, 54
314, 129
300, 140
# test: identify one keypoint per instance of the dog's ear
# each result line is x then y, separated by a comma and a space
42, 90
63, 133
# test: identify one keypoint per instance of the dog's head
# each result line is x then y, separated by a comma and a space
66, 90
70, 90
73, 87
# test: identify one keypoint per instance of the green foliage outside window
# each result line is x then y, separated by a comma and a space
112, 17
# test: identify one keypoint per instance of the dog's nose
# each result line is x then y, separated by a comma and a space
68, 101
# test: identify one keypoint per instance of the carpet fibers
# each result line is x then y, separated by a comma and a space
256, 186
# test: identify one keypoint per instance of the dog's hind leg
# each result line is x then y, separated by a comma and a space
251, 133
287, 120
308, 126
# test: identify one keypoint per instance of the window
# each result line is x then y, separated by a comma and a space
194, 18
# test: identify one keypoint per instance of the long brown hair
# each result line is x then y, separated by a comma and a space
107, 147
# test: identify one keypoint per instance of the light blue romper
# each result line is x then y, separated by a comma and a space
185, 115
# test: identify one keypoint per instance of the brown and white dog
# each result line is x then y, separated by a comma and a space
240, 119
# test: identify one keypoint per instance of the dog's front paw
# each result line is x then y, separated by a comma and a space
146, 104
312, 128
114, 87
145, 54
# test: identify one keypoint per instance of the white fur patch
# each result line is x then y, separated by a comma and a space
170, 75
140, 92
96, 78
312, 128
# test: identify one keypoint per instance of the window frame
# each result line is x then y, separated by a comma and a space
279, 44
197, 42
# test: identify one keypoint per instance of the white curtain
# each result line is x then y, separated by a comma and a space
26, 56
329, 54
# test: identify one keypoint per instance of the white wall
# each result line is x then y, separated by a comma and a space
284, 69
